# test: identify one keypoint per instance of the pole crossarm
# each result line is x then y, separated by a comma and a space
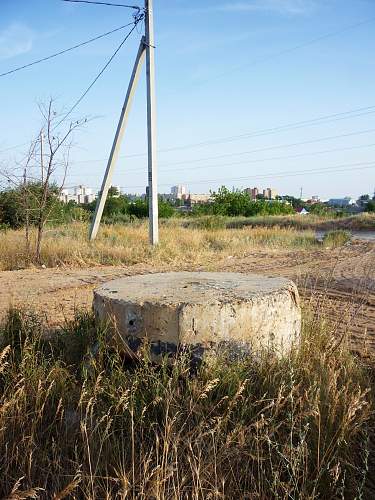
113, 157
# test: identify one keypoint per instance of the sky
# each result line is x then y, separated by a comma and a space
242, 86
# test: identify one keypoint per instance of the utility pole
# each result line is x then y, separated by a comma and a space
151, 125
147, 49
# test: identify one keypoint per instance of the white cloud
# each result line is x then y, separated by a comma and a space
15, 40
294, 7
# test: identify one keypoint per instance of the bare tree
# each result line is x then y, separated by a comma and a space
41, 176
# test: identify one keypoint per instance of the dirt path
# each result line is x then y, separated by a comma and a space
340, 283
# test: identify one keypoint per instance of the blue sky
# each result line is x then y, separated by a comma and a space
224, 69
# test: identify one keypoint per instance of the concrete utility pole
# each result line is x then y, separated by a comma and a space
151, 125
147, 49
117, 141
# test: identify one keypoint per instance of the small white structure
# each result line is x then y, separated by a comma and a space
81, 195
303, 211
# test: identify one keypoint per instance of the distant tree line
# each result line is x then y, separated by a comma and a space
16, 213
238, 203
118, 208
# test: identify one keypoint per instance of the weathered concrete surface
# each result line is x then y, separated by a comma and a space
201, 310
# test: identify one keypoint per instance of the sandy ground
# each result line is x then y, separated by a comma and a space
337, 283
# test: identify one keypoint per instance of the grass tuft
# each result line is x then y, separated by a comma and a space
336, 238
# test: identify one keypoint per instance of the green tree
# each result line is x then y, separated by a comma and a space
138, 208
235, 203
21, 204
113, 191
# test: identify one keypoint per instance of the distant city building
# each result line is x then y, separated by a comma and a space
194, 199
178, 192
252, 192
81, 195
341, 202
269, 193
313, 200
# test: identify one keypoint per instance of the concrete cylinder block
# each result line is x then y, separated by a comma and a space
201, 311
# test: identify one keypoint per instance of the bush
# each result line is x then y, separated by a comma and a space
139, 209
261, 428
13, 206
370, 207
74, 213
208, 222
336, 238
117, 218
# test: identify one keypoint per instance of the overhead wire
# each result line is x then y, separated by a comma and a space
263, 132
270, 148
321, 170
321, 120
83, 95
258, 150
207, 142
256, 160
270, 131
288, 50
229, 139
337, 169
108, 4
61, 52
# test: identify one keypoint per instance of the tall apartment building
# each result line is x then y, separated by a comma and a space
81, 195
178, 192
252, 192
269, 193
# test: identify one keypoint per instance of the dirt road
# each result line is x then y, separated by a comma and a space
339, 283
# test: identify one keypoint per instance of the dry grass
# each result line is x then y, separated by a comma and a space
128, 244
73, 426
359, 222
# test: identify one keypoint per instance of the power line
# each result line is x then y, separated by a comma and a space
263, 132
33, 63
270, 148
287, 173
257, 160
80, 99
14, 147
321, 120
290, 49
105, 3
309, 42
262, 160
321, 170
282, 128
